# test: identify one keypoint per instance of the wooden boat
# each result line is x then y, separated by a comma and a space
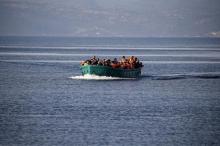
109, 71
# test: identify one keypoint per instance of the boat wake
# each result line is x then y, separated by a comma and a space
95, 77
206, 75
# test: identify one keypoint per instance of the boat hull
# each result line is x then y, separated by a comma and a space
112, 72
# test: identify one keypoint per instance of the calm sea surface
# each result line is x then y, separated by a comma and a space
45, 101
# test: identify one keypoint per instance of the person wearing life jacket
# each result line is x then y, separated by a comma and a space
84, 63
125, 63
122, 62
131, 62
115, 63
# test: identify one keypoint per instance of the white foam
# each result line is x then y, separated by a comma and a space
95, 77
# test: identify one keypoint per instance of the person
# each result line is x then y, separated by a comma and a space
125, 63
131, 59
93, 58
104, 62
107, 62
123, 60
94, 61
131, 62
136, 64
84, 63
114, 63
100, 62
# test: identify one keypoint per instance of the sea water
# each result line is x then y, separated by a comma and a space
44, 99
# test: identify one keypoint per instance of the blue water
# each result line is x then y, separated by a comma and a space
45, 101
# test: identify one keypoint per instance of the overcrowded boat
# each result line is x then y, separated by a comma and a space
129, 67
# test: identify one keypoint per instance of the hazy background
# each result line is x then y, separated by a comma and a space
124, 18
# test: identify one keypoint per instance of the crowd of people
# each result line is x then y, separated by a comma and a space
125, 63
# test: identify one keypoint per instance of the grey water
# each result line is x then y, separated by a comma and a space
176, 101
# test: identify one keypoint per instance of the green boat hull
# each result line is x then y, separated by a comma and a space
108, 71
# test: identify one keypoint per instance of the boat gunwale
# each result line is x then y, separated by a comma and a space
108, 67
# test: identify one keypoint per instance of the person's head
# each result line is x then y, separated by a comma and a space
92, 58
123, 57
